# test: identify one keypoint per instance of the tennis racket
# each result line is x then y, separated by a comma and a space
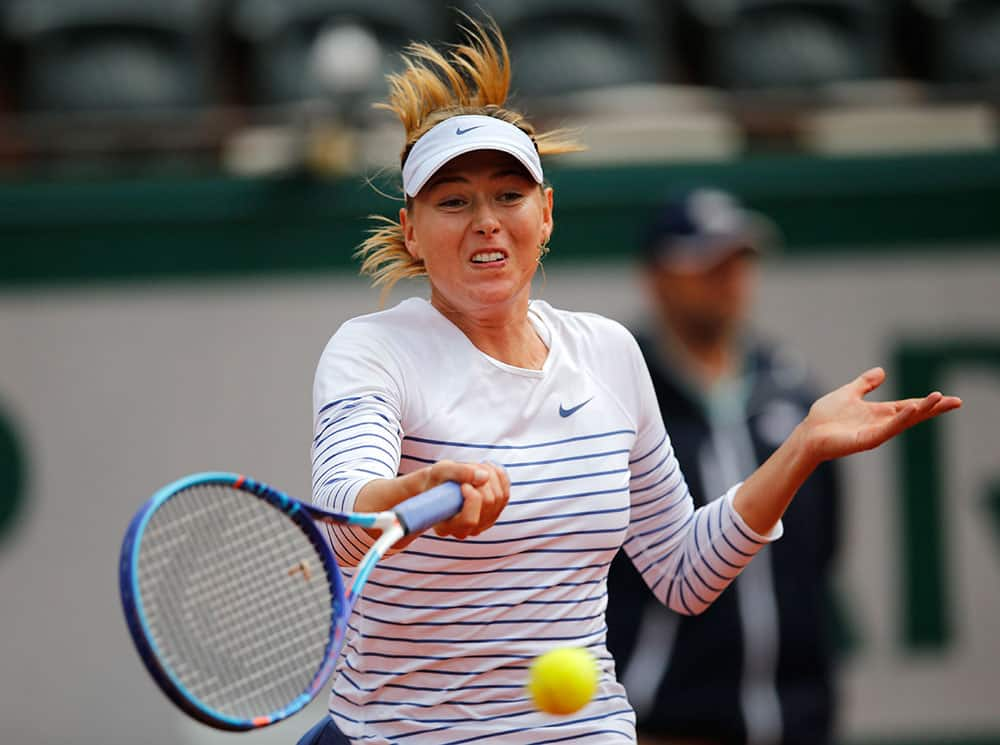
233, 597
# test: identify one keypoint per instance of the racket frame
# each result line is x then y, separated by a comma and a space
306, 516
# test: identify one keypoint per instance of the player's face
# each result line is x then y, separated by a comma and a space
477, 226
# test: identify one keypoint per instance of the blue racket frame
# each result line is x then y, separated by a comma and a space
414, 515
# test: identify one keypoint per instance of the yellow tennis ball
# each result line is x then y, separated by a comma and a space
564, 680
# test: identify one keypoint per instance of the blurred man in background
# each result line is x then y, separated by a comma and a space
755, 668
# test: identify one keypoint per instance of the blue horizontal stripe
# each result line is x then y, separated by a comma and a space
455, 720
372, 435
656, 528
655, 449
453, 673
585, 456
637, 506
590, 733
687, 583
563, 723
560, 497
355, 422
339, 401
417, 705
495, 570
571, 477
437, 689
437, 658
491, 557
667, 477
701, 553
746, 535
493, 640
497, 717
536, 537
425, 461
664, 540
347, 399
481, 446
366, 446
503, 588
482, 606
494, 622
716, 590
663, 460
715, 548
364, 418
562, 516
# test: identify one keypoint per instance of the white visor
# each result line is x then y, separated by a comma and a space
463, 134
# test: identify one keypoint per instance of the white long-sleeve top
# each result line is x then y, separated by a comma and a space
440, 643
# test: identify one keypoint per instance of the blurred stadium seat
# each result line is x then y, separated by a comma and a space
562, 46
782, 44
284, 40
963, 40
108, 55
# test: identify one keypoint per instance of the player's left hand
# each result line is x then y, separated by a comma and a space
842, 422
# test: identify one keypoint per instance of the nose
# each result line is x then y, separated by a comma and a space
486, 222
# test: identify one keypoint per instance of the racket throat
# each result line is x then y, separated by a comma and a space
390, 534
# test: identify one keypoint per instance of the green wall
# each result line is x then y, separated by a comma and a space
55, 231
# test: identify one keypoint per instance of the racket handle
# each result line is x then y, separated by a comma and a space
431, 507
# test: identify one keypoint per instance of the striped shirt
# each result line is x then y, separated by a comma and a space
440, 644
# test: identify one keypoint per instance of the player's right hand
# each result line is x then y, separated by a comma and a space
485, 491
484, 501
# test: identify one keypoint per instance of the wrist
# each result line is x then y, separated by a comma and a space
802, 450
371, 497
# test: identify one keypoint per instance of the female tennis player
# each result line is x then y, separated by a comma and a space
548, 420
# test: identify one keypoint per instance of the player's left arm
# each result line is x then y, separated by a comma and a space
838, 424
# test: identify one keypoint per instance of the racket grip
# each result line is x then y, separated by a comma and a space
431, 507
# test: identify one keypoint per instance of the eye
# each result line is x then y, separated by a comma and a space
453, 203
510, 196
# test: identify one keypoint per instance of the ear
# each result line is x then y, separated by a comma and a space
409, 234
548, 224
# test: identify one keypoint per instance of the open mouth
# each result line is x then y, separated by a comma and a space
488, 258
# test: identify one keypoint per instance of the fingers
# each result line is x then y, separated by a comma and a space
947, 403
423, 479
910, 412
868, 381
936, 404
904, 417
500, 485
483, 502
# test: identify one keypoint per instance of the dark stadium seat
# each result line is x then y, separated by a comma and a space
963, 40
108, 55
758, 44
562, 46
281, 37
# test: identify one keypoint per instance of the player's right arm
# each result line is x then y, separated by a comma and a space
358, 397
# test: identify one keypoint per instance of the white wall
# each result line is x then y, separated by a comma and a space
119, 389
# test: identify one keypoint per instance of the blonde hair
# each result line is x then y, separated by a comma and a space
473, 78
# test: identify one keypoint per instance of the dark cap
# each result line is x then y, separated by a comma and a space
697, 231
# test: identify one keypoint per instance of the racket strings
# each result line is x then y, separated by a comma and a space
236, 598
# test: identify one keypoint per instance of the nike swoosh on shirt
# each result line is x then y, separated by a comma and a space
568, 412
460, 131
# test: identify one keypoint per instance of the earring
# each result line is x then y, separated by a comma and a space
543, 248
